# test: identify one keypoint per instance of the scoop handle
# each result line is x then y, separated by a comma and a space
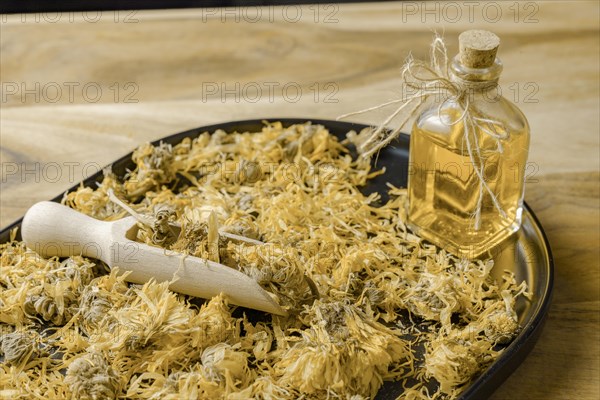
51, 229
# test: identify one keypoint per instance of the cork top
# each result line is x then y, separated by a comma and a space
478, 48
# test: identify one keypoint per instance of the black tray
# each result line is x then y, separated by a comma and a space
527, 253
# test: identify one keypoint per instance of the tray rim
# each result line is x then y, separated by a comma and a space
511, 357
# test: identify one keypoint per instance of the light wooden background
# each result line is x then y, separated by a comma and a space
130, 77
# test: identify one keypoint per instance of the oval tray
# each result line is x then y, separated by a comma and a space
526, 254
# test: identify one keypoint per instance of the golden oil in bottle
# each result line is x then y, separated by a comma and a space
449, 204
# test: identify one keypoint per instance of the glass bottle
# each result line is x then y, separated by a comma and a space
449, 203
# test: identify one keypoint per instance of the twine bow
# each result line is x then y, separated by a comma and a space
424, 81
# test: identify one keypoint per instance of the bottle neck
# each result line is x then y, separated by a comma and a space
476, 79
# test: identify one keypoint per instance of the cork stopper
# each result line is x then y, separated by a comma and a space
478, 48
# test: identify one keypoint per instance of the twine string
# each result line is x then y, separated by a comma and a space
433, 79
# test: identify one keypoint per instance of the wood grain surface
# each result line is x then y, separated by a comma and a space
80, 90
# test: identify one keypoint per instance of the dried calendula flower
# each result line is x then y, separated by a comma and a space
191, 239
154, 167
94, 306
19, 347
259, 339
228, 365
45, 307
500, 326
454, 362
214, 324
499, 318
343, 350
90, 377
163, 233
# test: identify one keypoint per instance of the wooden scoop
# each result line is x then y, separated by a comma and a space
51, 229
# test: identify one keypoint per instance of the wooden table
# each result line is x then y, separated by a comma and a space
80, 90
